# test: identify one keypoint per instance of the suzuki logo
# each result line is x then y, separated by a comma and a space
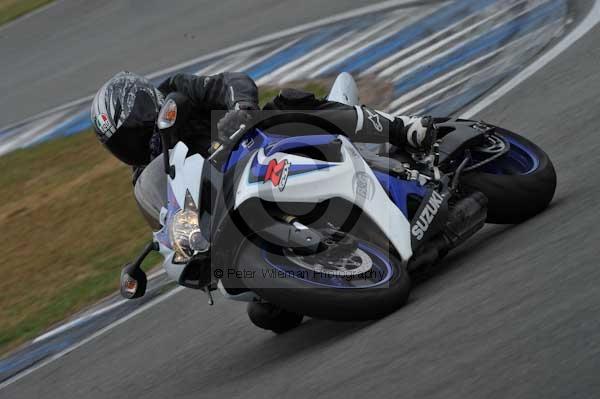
427, 215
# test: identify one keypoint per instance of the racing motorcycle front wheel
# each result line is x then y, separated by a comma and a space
352, 279
519, 184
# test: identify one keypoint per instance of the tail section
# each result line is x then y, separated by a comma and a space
344, 90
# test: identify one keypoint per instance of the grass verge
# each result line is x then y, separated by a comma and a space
69, 222
11, 9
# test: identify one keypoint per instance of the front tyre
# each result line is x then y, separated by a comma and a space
518, 185
368, 282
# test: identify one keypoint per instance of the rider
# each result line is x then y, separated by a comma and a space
126, 107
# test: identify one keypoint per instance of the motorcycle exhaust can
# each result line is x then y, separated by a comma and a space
466, 218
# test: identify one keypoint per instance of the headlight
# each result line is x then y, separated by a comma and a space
185, 234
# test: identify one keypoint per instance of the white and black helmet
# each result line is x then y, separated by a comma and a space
123, 114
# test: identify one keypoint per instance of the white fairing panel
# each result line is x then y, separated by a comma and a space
187, 178
352, 179
187, 173
344, 90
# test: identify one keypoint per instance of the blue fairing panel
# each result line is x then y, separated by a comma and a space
250, 142
399, 190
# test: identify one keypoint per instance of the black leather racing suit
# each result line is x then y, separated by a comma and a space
360, 123
210, 97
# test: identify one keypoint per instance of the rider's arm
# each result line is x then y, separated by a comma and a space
374, 126
364, 124
224, 91
359, 123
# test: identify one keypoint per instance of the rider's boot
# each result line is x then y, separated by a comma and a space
271, 317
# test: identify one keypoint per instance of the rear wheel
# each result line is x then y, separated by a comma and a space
518, 185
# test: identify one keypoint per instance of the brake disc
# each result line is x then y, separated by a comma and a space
357, 262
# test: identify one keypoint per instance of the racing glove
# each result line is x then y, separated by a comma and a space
230, 123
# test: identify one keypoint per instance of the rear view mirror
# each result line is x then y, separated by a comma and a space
167, 115
175, 108
133, 282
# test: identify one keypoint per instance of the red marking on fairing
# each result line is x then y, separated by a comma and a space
274, 170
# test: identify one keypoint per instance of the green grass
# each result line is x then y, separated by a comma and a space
69, 222
267, 93
11, 9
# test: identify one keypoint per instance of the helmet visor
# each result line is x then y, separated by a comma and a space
131, 145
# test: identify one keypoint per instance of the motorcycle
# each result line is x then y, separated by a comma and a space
314, 225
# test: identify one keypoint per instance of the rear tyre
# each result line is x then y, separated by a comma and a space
270, 317
518, 185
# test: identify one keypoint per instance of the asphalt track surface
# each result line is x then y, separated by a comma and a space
514, 313
72, 47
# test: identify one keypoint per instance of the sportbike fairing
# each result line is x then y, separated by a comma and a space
272, 174
284, 177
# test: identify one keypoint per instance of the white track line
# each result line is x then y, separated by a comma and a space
475, 76
310, 66
252, 63
226, 63
346, 55
584, 26
512, 49
383, 65
403, 100
450, 50
98, 333
431, 84
393, 69
289, 32
279, 73
397, 55
79, 320
20, 140
92, 314
236, 63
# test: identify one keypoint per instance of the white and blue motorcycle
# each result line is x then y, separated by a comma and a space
313, 225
